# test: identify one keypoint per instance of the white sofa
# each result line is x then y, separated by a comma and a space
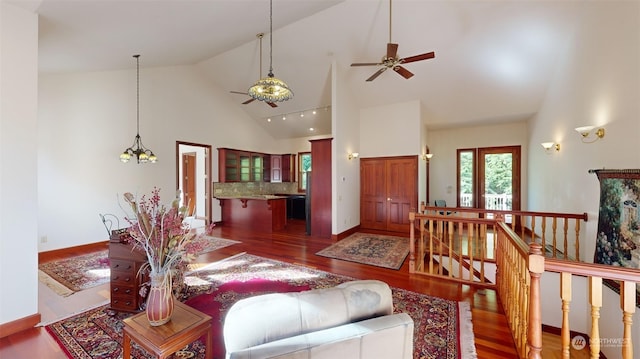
352, 320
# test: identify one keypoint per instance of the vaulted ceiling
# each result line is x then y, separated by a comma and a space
493, 59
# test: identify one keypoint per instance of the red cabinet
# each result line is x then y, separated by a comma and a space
320, 188
245, 166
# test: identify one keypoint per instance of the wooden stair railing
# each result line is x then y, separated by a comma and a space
519, 292
519, 266
438, 246
595, 273
559, 233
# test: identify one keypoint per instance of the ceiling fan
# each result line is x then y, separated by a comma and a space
392, 61
250, 100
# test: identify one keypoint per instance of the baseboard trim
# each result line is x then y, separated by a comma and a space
345, 234
19, 325
69, 251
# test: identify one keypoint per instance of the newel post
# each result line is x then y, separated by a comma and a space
534, 335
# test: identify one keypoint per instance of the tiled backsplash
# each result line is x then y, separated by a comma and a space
232, 189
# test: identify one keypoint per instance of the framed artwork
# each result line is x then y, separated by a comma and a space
618, 238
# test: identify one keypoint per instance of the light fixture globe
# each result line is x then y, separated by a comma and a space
270, 89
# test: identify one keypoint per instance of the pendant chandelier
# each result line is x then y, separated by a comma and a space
270, 89
142, 154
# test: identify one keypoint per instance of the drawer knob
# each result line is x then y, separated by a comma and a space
116, 289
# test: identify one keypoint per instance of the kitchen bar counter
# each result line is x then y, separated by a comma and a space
265, 213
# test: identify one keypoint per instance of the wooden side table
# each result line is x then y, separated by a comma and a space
186, 326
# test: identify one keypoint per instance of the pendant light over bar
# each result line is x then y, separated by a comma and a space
270, 88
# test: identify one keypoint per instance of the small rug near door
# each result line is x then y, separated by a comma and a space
443, 328
71, 275
76, 273
373, 249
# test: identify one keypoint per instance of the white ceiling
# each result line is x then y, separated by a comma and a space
494, 59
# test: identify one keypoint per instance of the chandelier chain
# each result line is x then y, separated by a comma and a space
137, 94
271, 38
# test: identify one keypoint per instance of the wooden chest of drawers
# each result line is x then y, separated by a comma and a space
125, 262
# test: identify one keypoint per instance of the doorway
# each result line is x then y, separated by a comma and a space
193, 180
489, 178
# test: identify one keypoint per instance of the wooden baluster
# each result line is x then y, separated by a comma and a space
470, 251
431, 246
533, 231
442, 228
544, 233
595, 298
536, 268
450, 245
577, 239
554, 239
565, 294
412, 242
482, 244
423, 238
566, 237
628, 306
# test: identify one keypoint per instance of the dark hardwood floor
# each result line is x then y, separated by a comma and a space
492, 336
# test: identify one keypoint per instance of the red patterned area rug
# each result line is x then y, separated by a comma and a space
78, 273
443, 328
373, 249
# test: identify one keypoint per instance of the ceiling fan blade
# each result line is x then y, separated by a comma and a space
239, 93
249, 101
392, 50
425, 56
366, 64
378, 73
272, 104
403, 72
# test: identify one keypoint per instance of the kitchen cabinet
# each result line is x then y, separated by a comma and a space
276, 168
260, 214
388, 192
283, 168
245, 166
320, 188
289, 168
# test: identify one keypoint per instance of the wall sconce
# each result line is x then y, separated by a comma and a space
353, 155
586, 131
550, 146
427, 156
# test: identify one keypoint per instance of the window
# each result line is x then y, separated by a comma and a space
304, 165
489, 178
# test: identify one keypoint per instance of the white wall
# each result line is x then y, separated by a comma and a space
391, 130
597, 83
81, 175
346, 139
18, 163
